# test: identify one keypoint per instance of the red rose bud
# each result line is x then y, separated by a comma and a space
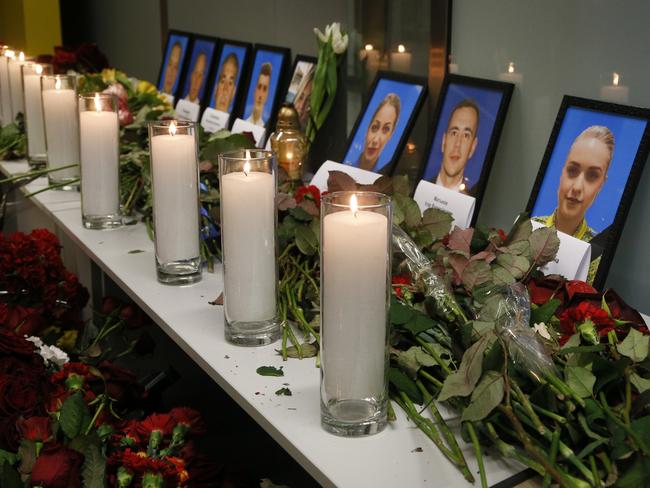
36, 429
133, 316
57, 467
110, 304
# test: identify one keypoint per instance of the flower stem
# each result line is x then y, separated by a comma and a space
434, 354
628, 430
52, 187
36, 173
477, 451
555, 441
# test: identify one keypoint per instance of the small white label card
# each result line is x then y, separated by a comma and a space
242, 126
169, 98
268, 145
362, 176
573, 257
214, 120
188, 110
461, 206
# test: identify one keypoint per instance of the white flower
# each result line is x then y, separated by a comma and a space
340, 44
320, 35
36, 341
50, 354
542, 330
333, 34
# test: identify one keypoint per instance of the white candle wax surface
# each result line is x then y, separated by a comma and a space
61, 131
248, 226
16, 86
354, 304
615, 93
401, 61
175, 197
34, 115
99, 136
5, 91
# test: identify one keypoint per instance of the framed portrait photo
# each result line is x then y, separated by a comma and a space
300, 86
266, 80
467, 126
590, 171
174, 61
232, 65
382, 128
195, 79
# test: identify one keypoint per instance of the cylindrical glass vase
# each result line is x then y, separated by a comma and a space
355, 287
34, 127
248, 185
61, 122
16, 84
175, 185
99, 138
5, 90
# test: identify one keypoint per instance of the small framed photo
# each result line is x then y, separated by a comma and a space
591, 168
382, 128
200, 64
266, 80
172, 67
468, 122
300, 86
232, 68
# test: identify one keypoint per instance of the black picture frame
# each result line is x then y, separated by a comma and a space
603, 243
300, 58
243, 76
388, 167
187, 72
285, 52
183, 66
505, 89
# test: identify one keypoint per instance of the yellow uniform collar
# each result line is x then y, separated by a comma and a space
583, 228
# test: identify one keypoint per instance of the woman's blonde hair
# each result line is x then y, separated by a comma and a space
393, 100
604, 135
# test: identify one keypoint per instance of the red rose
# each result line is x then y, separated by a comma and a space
9, 435
502, 235
310, 190
576, 286
133, 316
57, 467
110, 304
121, 384
12, 343
400, 280
27, 321
35, 428
541, 290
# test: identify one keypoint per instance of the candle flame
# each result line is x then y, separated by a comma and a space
615, 79
10, 54
172, 128
38, 69
98, 104
369, 47
401, 48
21, 56
354, 205
247, 167
57, 83
511, 67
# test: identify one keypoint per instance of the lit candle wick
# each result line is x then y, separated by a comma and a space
21, 56
511, 68
401, 48
98, 105
615, 79
39, 69
10, 54
369, 47
172, 128
57, 83
354, 206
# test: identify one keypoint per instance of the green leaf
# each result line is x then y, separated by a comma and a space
94, 467
74, 416
400, 313
487, 395
135, 251
412, 215
544, 244
401, 185
641, 384
637, 475
283, 391
516, 265
27, 456
423, 238
634, 346
402, 382
8, 457
460, 240
10, 477
463, 381
269, 371
415, 357
521, 231
502, 276
306, 240
543, 313
580, 380
437, 221
476, 273
419, 323
301, 214
398, 215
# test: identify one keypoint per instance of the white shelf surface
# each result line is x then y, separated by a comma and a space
389, 459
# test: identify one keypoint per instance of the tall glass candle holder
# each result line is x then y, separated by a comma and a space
16, 84
5, 91
99, 137
61, 122
34, 127
175, 185
248, 185
355, 287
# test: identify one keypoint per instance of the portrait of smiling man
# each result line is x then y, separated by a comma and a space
261, 95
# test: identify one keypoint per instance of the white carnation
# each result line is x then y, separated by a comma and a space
542, 330
50, 354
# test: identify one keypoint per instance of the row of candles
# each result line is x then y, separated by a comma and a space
67, 130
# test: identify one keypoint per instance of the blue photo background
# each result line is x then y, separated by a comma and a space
488, 102
627, 137
240, 53
183, 40
408, 94
200, 46
262, 57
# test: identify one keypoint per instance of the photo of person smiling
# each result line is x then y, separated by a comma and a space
583, 176
380, 130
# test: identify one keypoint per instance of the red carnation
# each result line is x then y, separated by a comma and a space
311, 191
57, 467
400, 280
573, 316
190, 418
37, 429
156, 422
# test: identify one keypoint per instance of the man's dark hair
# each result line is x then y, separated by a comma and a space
466, 103
266, 69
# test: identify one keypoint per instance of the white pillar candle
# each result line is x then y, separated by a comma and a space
99, 142
400, 60
615, 93
248, 226
5, 88
61, 130
34, 112
175, 196
511, 75
354, 303
16, 84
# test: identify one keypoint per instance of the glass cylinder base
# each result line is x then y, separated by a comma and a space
354, 418
64, 184
102, 221
258, 333
182, 272
37, 162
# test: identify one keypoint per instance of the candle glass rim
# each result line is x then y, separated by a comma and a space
240, 154
92, 95
60, 77
383, 199
31, 63
164, 124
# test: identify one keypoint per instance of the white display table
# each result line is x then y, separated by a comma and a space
389, 459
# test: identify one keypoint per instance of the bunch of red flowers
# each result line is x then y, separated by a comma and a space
36, 290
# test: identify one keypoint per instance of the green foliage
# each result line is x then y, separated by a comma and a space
485, 398
635, 346
270, 371
462, 382
75, 416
